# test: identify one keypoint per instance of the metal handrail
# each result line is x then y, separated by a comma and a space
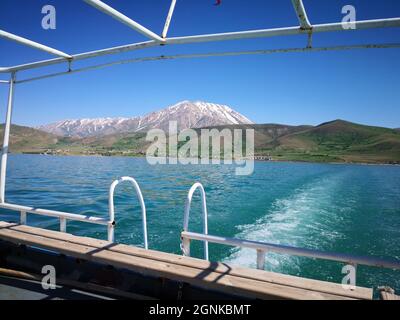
62, 216
65, 216
185, 244
301, 252
142, 205
262, 248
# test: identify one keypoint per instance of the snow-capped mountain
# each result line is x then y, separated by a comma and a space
188, 115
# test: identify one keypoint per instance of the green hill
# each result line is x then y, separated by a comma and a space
335, 141
341, 141
29, 140
266, 135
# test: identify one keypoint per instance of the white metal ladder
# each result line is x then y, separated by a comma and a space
185, 245
112, 212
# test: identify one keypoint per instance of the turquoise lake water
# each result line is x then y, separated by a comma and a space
351, 209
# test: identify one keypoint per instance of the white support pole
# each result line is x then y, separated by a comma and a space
301, 14
169, 17
99, 5
6, 139
30, 43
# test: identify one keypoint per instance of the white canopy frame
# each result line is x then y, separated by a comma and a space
33, 44
304, 28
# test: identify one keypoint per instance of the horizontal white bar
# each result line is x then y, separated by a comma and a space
4, 81
13, 37
123, 19
382, 23
346, 258
215, 54
83, 56
251, 34
55, 214
363, 24
114, 50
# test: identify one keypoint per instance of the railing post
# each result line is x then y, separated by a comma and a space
355, 273
196, 186
6, 139
22, 218
261, 259
63, 224
185, 247
110, 231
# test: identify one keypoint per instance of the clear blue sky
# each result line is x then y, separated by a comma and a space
297, 88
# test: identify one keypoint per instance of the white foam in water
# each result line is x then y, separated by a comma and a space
304, 219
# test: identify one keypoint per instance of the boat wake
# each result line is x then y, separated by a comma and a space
308, 218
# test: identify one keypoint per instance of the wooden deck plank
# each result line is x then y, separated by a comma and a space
217, 276
389, 296
298, 282
310, 284
216, 267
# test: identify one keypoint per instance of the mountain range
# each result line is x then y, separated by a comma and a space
188, 114
334, 141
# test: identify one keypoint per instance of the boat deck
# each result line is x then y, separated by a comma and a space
189, 272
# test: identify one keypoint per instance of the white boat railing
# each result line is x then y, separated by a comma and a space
62, 216
263, 248
142, 205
